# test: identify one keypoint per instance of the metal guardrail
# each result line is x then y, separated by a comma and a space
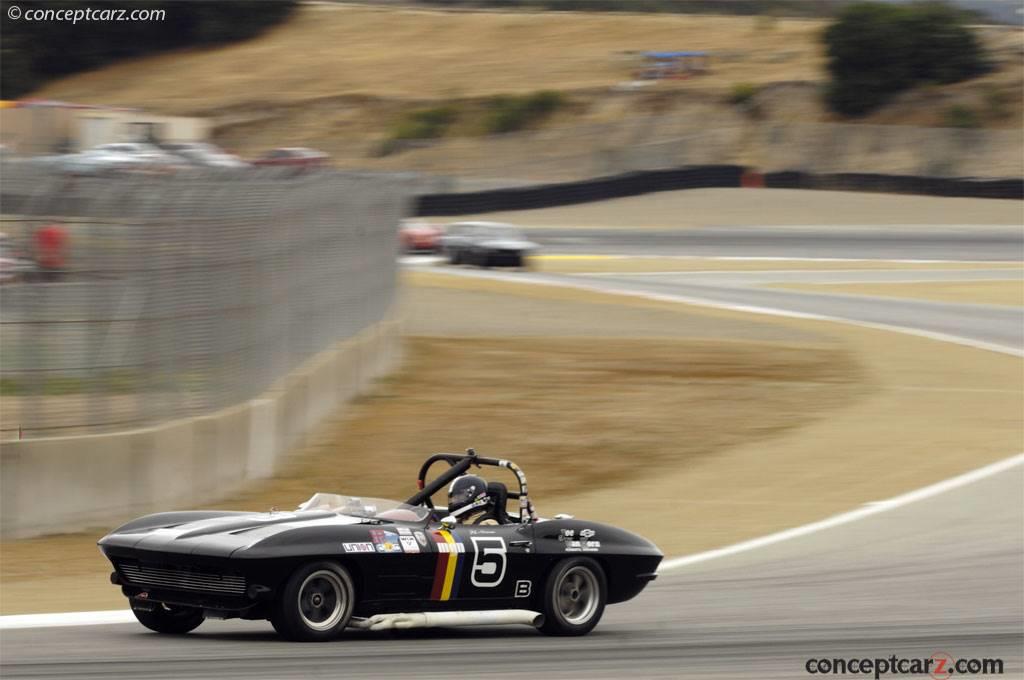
182, 294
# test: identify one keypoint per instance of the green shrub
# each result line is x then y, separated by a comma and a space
960, 116
997, 102
425, 123
11, 388
508, 113
877, 50
742, 93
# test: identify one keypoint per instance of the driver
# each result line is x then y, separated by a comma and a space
467, 497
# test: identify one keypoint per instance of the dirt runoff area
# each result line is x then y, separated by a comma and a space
975, 292
695, 427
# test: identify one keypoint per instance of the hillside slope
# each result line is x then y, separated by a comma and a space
341, 78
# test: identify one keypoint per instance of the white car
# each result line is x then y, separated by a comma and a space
205, 155
14, 265
147, 155
486, 244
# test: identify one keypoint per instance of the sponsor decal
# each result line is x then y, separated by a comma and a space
358, 547
405, 531
448, 572
585, 542
386, 541
451, 547
409, 544
523, 588
489, 561
421, 538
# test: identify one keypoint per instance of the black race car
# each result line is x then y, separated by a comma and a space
342, 561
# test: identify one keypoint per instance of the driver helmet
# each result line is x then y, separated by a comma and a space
466, 493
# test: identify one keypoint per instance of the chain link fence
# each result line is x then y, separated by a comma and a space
180, 294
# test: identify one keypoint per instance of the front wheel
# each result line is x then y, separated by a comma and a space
315, 604
574, 597
170, 620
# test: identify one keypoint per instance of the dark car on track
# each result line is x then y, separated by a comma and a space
486, 244
344, 561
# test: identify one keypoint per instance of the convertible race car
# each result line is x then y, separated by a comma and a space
343, 561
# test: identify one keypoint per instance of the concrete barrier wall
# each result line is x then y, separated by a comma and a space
63, 484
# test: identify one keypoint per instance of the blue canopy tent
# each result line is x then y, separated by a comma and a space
675, 64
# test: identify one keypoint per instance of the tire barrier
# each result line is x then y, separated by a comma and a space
965, 187
705, 177
568, 193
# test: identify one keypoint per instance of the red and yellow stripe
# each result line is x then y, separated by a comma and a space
449, 566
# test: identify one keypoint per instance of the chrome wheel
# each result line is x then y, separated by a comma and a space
577, 595
322, 599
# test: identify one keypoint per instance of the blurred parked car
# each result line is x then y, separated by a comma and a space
14, 264
204, 155
296, 156
417, 236
119, 157
486, 244
150, 157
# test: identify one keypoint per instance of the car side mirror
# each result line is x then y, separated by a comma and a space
449, 522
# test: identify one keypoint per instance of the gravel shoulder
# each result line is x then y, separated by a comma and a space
976, 292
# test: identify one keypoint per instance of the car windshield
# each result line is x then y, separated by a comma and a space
362, 506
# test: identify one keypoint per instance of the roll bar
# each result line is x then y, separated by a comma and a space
459, 464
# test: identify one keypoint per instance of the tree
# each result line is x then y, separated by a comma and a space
877, 50
36, 51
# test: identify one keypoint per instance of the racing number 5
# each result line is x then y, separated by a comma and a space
489, 561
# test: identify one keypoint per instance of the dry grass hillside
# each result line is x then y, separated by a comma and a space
328, 51
344, 77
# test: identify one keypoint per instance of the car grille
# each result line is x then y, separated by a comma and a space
181, 578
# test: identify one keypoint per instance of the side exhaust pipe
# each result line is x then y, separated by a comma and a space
498, 617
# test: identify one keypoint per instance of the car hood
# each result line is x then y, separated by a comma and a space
221, 535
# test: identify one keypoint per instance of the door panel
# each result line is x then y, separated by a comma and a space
484, 565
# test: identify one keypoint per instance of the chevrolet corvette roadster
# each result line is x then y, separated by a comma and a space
342, 562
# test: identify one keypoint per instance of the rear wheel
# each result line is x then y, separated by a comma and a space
170, 620
316, 603
574, 597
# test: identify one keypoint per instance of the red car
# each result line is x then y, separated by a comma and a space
420, 237
296, 156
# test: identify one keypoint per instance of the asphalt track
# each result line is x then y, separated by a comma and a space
943, 575
897, 242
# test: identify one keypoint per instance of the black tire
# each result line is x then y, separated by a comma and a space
315, 604
169, 620
575, 594
454, 257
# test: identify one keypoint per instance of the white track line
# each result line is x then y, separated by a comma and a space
66, 619
847, 517
736, 307
121, 616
